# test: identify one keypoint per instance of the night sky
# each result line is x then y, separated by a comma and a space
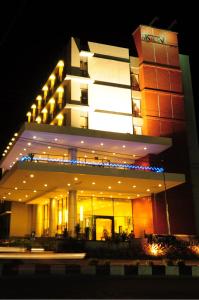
33, 35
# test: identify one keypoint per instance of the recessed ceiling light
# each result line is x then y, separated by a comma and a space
68, 184
128, 197
123, 146
13, 139
4, 197
113, 153
24, 181
138, 195
82, 142
109, 187
45, 185
9, 193
56, 139
34, 191
124, 162
93, 183
32, 175
85, 156
20, 154
75, 178
44, 152
81, 191
101, 144
159, 184
26, 196
17, 158
3, 154
29, 144
134, 155
10, 144
16, 188
111, 196
24, 149
93, 151
148, 190
8, 147
134, 186
145, 148
105, 157
49, 147
5, 151
119, 182
16, 134
19, 200
65, 154
34, 137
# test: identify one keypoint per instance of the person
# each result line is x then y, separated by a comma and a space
131, 235
31, 156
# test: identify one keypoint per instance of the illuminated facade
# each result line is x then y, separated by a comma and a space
104, 146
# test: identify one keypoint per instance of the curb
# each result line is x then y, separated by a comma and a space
11, 269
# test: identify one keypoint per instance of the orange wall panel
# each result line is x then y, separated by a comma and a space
151, 104
165, 105
176, 81
148, 51
163, 79
160, 54
166, 128
142, 216
149, 77
173, 56
152, 126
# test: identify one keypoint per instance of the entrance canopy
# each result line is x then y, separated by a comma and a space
32, 182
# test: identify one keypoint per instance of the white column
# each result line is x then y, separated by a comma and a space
72, 212
39, 220
52, 217
72, 153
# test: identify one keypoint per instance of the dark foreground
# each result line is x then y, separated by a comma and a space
88, 287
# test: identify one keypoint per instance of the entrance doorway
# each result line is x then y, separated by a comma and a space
104, 227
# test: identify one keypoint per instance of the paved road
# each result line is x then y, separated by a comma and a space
83, 287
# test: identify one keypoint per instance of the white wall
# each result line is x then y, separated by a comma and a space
21, 218
107, 70
109, 50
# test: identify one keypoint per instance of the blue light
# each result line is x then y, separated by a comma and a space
97, 164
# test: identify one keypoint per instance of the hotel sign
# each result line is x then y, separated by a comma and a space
153, 38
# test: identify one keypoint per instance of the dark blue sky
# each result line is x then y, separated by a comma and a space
34, 33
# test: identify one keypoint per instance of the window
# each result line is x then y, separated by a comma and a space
135, 82
136, 108
84, 96
137, 130
83, 120
84, 66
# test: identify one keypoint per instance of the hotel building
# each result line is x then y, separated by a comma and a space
109, 144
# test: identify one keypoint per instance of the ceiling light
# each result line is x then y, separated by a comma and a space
32, 175
4, 197
81, 191
49, 147
34, 191
8, 147
113, 153
93, 151
109, 187
134, 186
34, 137
3, 154
138, 195
5, 151
44, 152
16, 188
13, 139
123, 146
9, 193
82, 142
68, 184
75, 178
148, 190
65, 154
45, 185
85, 156
119, 182
29, 144
26, 196
10, 144
101, 144
56, 139
145, 148
93, 183
159, 184
19, 200
24, 181
24, 149
20, 154
16, 134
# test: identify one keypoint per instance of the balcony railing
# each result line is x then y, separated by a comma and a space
81, 161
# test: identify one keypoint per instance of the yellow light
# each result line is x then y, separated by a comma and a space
26, 196
3, 154
86, 53
29, 116
68, 184
81, 213
38, 119
34, 191
16, 188
16, 134
52, 80
8, 147
59, 217
24, 181
148, 190
5, 151
101, 144
34, 106
29, 144
60, 118
75, 178
145, 148
109, 187
39, 98
61, 67
52, 105
93, 183
45, 90
32, 175
159, 185
49, 147
119, 182
45, 185
82, 142
134, 186
123, 146
60, 92
19, 200
10, 144
9, 193
4, 197
44, 112
13, 139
